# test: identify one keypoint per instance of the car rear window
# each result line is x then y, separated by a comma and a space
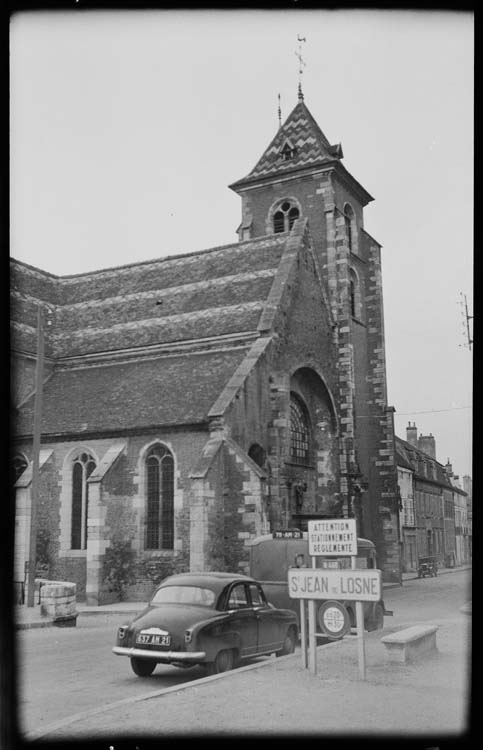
184, 595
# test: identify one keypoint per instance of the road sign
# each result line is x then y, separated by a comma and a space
333, 619
334, 536
353, 585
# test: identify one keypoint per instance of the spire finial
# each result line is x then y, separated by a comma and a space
300, 39
279, 113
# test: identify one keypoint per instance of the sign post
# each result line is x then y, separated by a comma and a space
335, 537
361, 650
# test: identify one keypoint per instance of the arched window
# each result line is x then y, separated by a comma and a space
299, 432
353, 298
349, 226
18, 466
285, 217
159, 498
82, 468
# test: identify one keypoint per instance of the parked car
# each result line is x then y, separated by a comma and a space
271, 557
213, 619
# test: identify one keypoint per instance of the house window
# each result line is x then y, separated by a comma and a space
160, 499
82, 468
299, 432
285, 217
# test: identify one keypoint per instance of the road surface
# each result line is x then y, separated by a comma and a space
63, 672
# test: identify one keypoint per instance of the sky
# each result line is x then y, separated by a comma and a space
128, 126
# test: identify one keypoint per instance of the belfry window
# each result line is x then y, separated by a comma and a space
299, 432
82, 468
285, 217
160, 499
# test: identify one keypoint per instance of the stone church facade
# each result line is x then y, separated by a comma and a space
194, 402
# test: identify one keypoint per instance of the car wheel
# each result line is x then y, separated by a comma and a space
288, 644
143, 667
224, 661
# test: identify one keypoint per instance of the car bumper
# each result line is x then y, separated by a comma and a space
161, 656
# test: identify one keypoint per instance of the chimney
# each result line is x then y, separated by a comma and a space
412, 434
427, 444
449, 468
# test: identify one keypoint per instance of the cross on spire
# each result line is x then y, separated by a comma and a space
302, 63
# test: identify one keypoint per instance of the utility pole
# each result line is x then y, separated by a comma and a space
39, 373
466, 323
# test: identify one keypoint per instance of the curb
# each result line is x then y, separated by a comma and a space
157, 693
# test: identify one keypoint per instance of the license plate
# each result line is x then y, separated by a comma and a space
153, 640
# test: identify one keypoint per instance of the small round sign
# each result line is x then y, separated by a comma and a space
333, 619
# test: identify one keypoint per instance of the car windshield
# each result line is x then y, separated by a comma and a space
184, 595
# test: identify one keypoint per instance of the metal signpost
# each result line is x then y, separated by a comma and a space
334, 537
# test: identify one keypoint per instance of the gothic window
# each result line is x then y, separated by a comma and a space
82, 468
285, 217
160, 498
353, 298
299, 432
19, 464
354, 295
349, 221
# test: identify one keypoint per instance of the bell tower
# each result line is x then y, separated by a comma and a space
301, 175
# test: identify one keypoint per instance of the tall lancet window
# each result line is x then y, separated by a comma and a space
82, 468
160, 498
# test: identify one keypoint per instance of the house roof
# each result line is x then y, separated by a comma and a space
405, 453
165, 390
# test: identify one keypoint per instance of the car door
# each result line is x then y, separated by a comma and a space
269, 623
243, 618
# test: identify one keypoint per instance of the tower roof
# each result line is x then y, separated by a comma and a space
299, 143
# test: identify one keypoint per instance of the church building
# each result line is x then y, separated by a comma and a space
194, 402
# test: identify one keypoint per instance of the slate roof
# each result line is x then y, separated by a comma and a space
404, 457
160, 391
300, 131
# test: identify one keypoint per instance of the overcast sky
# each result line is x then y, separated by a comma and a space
127, 127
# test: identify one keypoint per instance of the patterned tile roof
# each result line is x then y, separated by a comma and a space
131, 395
214, 292
301, 133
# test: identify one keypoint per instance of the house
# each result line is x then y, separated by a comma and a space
193, 402
432, 520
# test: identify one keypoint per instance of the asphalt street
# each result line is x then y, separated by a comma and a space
65, 672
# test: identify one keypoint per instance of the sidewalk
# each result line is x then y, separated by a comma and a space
30, 617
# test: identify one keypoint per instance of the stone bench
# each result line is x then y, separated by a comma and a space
410, 644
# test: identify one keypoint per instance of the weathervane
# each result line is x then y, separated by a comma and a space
302, 63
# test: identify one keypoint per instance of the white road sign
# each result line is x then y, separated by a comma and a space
335, 536
354, 585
